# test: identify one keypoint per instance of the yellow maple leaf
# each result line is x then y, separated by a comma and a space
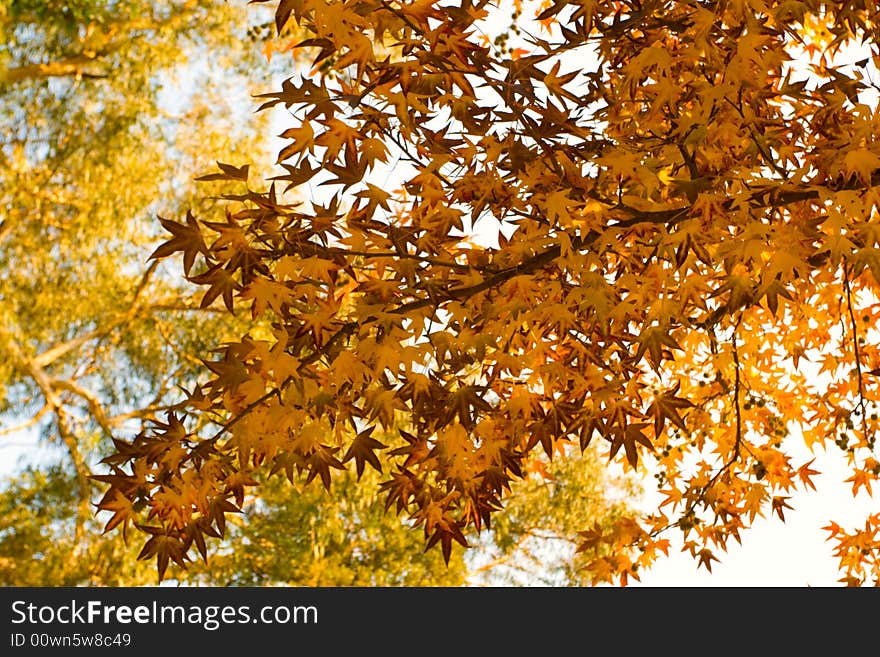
861, 162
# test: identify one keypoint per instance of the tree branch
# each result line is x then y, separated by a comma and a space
65, 432
856, 355
70, 67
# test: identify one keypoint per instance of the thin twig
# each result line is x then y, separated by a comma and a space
856, 352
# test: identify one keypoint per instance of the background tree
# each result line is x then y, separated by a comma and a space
93, 343
647, 224
98, 103
303, 536
535, 539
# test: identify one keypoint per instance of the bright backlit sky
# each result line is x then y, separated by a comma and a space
793, 553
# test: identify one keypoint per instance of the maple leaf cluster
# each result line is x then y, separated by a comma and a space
683, 271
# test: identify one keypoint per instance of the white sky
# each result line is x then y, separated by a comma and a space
793, 553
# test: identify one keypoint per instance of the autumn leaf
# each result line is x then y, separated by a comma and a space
861, 162
652, 341
363, 450
220, 284
706, 558
122, 508
862, 479
629, 437
187, 237
266, 293
319, 463
164, 547
779, 504
806, 473
303, 139
227, 172
666, 407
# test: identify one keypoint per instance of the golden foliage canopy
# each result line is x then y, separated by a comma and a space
649, 225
